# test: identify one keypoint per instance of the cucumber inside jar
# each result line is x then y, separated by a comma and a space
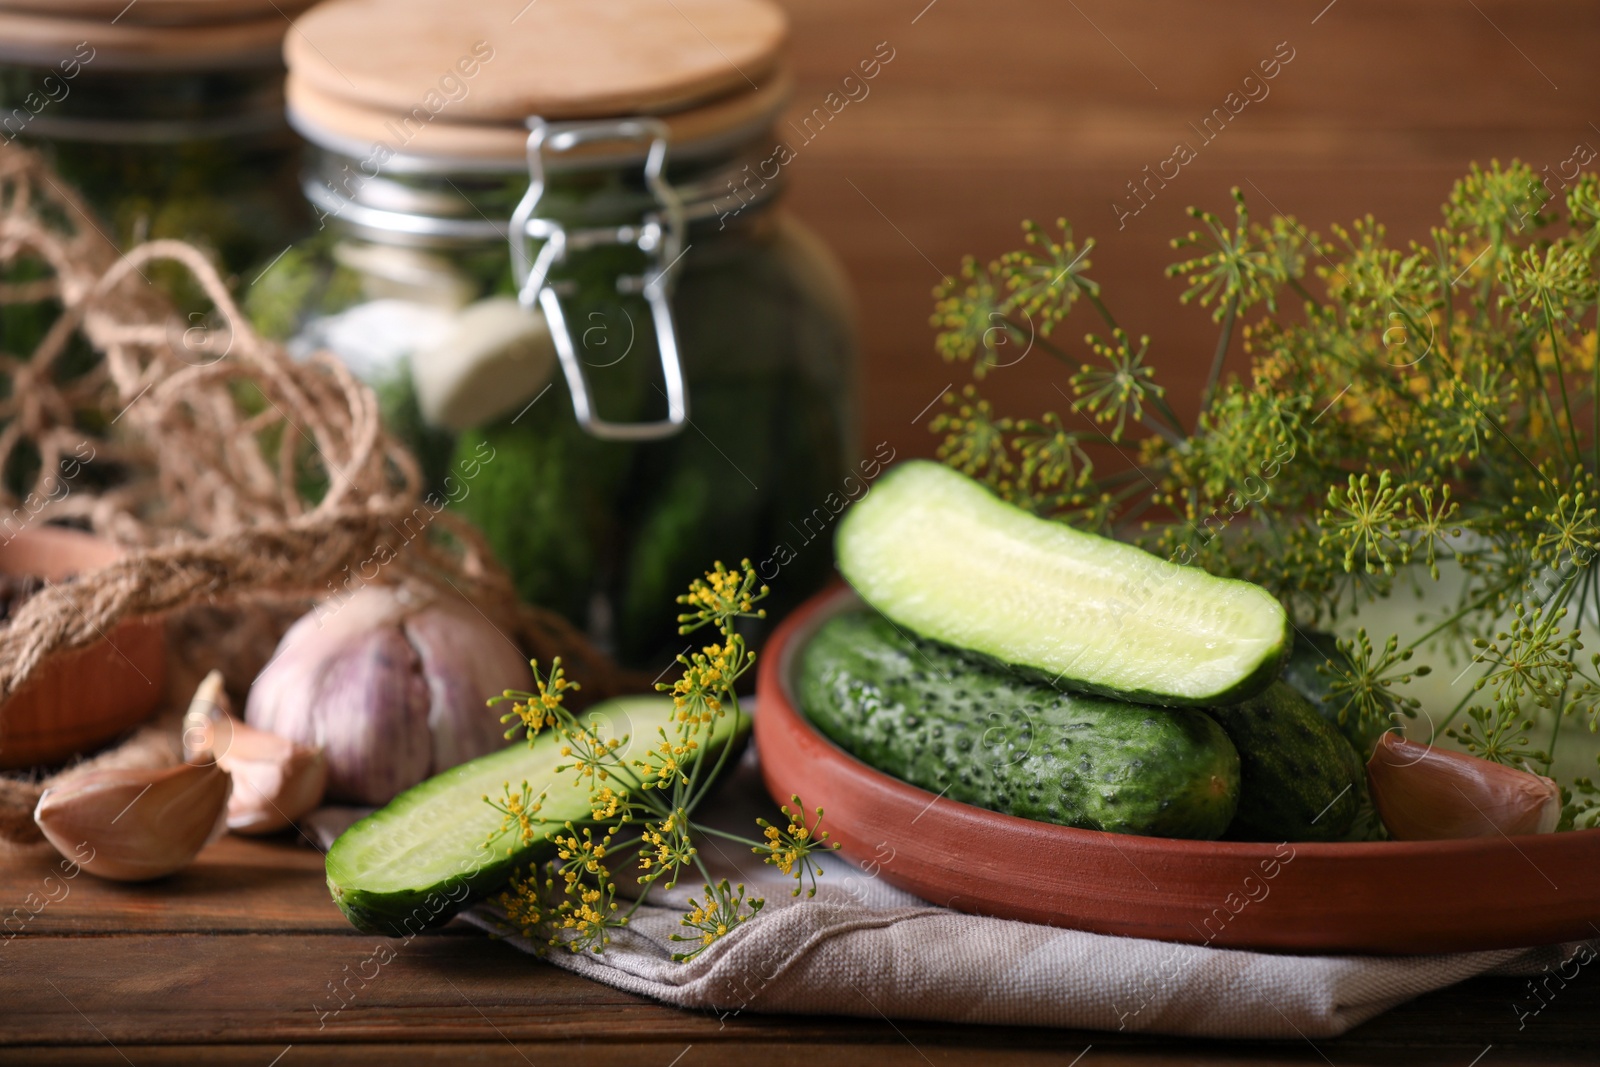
608, 532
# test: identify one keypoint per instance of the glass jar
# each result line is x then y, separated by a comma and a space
167, 130
167, 117
688, 392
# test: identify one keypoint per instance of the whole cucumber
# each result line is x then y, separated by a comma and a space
1307, 672
1300, 780
968, 730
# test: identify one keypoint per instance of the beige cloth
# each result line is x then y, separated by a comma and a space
862, 947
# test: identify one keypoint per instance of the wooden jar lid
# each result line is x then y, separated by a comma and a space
47, 40
480, 69
357, 131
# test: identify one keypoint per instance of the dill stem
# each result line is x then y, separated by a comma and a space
1561, 378
1172, 437
1456, 710
724, 834
1127, 518
1043, 342
1447, 291
1461, 613
1555, 727
738, 718
645, 795
1221, 354
1105, 313
1159, 402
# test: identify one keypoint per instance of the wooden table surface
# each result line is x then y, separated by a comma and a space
988, 113
231, 962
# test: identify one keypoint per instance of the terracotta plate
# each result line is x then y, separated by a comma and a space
1380, 897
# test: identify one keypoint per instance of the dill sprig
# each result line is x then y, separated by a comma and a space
1405, 408
653, 785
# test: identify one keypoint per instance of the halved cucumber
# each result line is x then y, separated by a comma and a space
416, 862
940, 555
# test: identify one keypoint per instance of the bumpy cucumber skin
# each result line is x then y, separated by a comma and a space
1256, 681
949, 723
1300, 780
1311, 651
543, 502
404, 913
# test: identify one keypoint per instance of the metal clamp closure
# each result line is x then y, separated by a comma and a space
659, 234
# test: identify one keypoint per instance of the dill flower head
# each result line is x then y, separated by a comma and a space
519, 810
722, 596
792, 848
723, 910
536, 711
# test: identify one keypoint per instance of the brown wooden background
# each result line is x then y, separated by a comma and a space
996, 110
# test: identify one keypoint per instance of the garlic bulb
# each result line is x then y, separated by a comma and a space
1424, 793
390, 683
133, 824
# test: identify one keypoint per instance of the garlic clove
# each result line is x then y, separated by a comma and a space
464, 664
1424, 793
275, 781
131, 824
496, 356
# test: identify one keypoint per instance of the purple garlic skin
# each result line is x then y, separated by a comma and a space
391, 683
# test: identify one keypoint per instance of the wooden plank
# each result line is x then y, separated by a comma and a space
803, 1053
237, 884
315, 989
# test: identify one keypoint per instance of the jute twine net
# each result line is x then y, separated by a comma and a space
214, 433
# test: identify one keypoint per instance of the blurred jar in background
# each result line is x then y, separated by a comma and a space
549, 234
167, 115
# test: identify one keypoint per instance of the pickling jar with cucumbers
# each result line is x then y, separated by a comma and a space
166, 116
550, 236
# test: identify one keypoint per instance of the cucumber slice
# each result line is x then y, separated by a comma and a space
416, 862
940, 555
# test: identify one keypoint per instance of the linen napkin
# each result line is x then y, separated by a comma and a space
862, 947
